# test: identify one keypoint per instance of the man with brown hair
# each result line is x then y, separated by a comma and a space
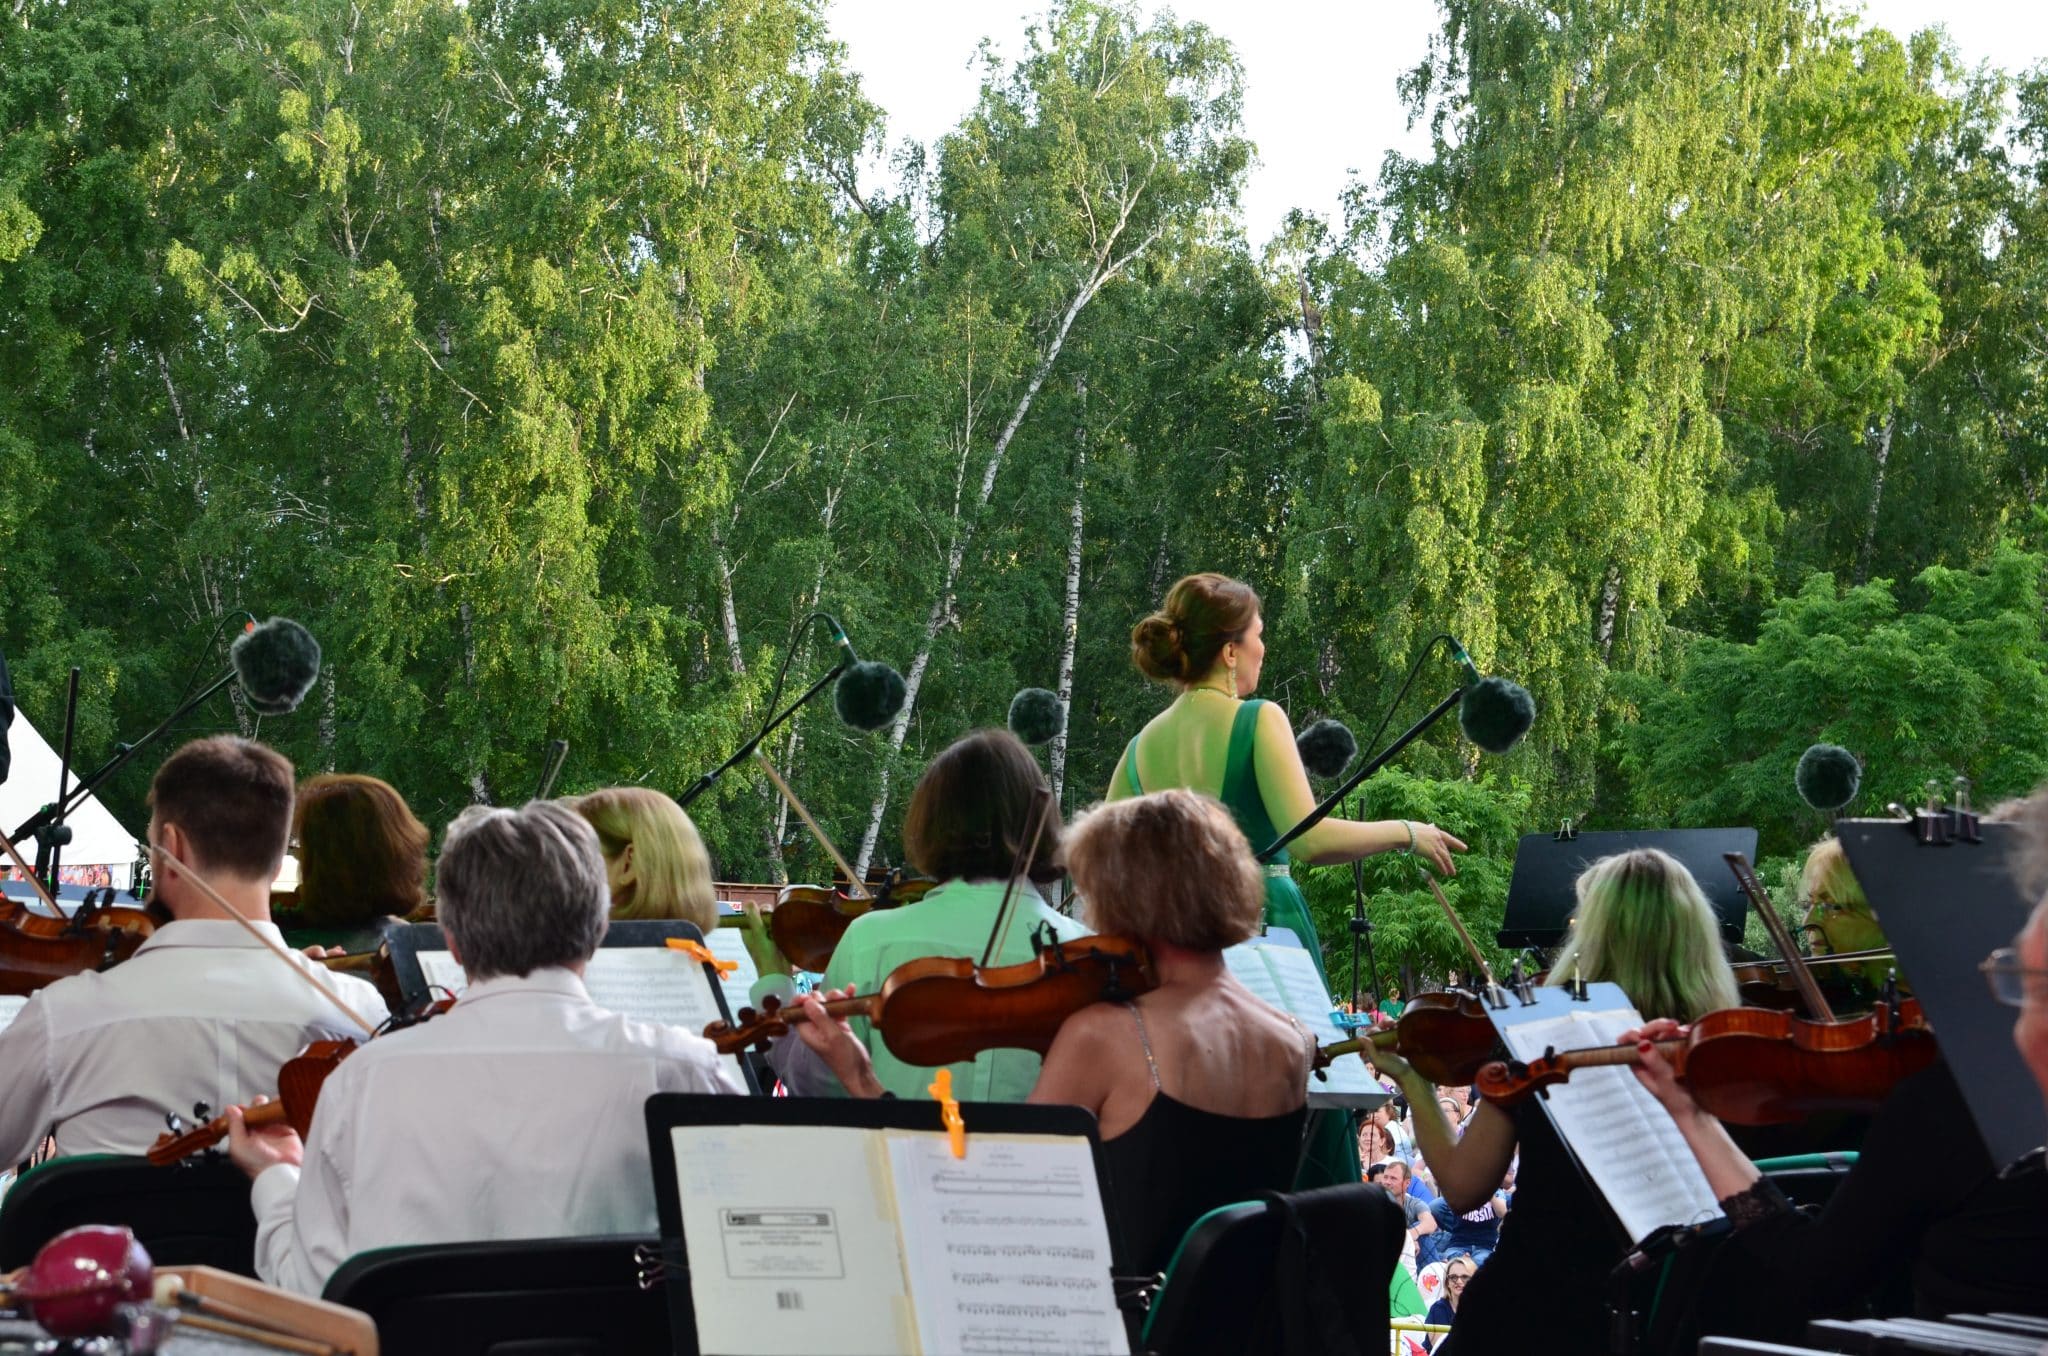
202, 1012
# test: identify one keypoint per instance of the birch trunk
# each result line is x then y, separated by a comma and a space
1610, 604
1105, 266
736, 659
1070, 608
1884, 456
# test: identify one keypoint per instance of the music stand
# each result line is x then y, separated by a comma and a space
651, 992
806, 1231
1541, 897
1944, 908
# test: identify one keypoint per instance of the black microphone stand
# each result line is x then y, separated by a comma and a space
1351, 783
50, 842
746, 750
123, 754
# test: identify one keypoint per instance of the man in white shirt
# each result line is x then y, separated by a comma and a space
519, 1113
202, 1012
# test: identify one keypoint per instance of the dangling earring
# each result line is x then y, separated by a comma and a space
1233, 677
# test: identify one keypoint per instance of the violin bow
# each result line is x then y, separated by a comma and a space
1809, 989
276, 948
855, 886
1041, 801
1458, 923
35, 882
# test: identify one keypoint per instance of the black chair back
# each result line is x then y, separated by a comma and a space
194, 1214
1294, 1272
532, 1297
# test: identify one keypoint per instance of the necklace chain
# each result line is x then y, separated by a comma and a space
1204, 687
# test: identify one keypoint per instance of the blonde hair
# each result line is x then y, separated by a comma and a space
672, 871
1172, 867
1827, 878
1643, 923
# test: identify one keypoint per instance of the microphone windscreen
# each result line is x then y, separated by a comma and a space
868, 695
1496, 713
1327, 748
276, 664
1828, 776
1036, 715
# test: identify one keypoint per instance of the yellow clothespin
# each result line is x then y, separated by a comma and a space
696, 950
949, 1111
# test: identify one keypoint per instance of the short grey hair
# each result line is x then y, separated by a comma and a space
521, 890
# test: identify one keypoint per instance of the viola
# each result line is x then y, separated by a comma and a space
808, 920
298, 1093
1755, 1066
944, 1010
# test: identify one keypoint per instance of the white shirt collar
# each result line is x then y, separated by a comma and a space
210, 932
552, 981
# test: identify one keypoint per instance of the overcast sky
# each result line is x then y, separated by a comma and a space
1320, 100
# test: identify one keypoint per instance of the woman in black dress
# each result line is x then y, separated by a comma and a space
1642, 923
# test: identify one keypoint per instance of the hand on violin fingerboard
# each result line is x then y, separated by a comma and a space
834, 1042
257, 1149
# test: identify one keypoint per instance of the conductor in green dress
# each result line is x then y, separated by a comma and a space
1206, 640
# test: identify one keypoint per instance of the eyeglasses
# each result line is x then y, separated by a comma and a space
1459, 1279
2009, 979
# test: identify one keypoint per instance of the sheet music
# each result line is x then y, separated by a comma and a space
1625, 1140
728, 945
1007, 1250
649, 983
10, 1008
792, 1241
1287, 978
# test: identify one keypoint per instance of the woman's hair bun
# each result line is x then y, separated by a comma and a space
1157, 649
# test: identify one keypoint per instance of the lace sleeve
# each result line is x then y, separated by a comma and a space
1760, 1202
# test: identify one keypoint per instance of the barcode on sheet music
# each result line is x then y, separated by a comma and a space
789, 1300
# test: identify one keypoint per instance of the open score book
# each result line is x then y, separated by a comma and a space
808, 1238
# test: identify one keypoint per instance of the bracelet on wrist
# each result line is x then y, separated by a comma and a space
1409, 825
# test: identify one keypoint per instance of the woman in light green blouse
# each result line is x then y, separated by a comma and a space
968, 824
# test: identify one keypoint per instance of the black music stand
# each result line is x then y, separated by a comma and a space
1944, 908
419, 955
1541, 898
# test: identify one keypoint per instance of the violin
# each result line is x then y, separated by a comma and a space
941, 1010
1756, 1066
1445, 1037
38, 946
1769, 984
808, 920
298, 1093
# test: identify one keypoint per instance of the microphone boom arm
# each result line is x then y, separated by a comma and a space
123, 754
746, 750
1351, 783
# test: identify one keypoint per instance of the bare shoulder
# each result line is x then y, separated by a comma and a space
1092, 1030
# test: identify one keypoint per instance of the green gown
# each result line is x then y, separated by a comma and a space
1330, 1157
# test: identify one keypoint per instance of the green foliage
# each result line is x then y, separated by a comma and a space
1409, 926
1955, 683
552, 361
